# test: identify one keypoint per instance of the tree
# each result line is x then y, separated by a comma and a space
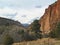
36, 29
52, 34
36, 26
8, 40
21, 31
56, 32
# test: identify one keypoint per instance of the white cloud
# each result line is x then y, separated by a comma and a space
30, 14
22, 15
7, 12
25, 3
24, 11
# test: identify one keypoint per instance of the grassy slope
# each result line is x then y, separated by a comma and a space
44, 41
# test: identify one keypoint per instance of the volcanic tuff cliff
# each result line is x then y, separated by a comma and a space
50, 18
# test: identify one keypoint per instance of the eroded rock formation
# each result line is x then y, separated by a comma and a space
50, 18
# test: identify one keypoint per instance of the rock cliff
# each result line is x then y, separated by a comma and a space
50, 18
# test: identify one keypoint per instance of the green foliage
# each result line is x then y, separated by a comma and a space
36, 26
32, 34
36, 29
21, 31
8, 40
7, 24
2, 29
56, 33
52, 34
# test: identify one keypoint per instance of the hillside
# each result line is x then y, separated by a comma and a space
5, 21
25, 34
10, 27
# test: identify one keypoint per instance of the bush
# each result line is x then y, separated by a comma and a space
56, 32
36, 29
7, 40
52, 34
21, 31
36, 26
32, 34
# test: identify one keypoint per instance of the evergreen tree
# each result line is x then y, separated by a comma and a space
36, 26
36, 29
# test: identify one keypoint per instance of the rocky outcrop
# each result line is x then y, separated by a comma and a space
50, 18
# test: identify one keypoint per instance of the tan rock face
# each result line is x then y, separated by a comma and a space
50, 18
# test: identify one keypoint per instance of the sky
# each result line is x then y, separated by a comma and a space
24, 11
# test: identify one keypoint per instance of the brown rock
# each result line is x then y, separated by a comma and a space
50, 18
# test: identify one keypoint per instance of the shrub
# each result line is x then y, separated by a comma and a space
36, 29
52, 34
21, 31
36, 26
8, 40
56, 32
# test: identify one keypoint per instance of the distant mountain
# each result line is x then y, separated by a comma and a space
25, 25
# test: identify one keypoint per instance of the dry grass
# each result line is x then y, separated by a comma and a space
44, 41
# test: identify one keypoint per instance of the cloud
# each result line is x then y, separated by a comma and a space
39, 6
25, 11
22, 15
7, 12
27, 15
24, 3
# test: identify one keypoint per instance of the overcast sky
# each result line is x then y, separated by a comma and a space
24, 11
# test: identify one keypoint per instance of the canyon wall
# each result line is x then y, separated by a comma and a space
50, 18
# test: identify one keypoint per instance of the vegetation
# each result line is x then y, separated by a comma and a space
33, 34
52, 34
36, 26
1, 29
21, 31
23, 35
55, 33
35, 30
8, 40
43, 41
